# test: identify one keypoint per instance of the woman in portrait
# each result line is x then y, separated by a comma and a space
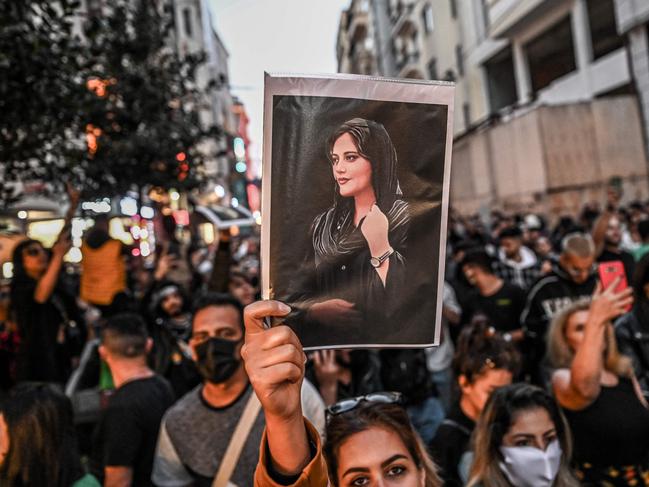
359, 241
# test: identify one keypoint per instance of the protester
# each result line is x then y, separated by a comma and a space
517, 264
522, 440
632, 329
103, 270
440, 358
483, 362
370, 440
404, 370
37, 442
502, 303
198, 429
342, 374
46, 315
607, 236
573, 279
171, 330
126, 435
596, 387
643, 233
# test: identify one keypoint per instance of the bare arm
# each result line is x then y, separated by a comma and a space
47, 282
578, 387
118, 476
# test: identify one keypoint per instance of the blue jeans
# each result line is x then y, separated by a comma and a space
426, 417
443, 380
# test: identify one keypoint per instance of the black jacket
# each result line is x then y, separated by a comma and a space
632, 334
551, 294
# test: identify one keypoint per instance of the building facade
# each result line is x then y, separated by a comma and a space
546, 110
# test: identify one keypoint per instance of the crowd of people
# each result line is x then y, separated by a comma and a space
125, 375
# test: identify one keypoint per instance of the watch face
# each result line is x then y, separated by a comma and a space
375, 262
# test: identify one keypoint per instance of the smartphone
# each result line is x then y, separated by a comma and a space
609, 272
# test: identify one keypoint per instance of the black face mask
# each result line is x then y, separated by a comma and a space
217, 360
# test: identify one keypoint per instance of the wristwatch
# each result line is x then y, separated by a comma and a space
377, 261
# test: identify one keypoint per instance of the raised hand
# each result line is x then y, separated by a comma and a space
608, 304
274, 361
375, 228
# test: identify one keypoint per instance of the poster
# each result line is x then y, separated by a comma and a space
354, 207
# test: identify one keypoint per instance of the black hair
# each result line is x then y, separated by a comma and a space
42, 442
125, 334
19, 271
218, 299
641, 278
510, 232
643, 229
480, 258
479, 348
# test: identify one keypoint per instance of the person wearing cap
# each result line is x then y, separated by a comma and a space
516, 263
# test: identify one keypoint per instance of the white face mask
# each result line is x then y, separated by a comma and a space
526, 466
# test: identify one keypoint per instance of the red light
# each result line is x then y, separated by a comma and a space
181, 156
184, 167
181, 217
135, 252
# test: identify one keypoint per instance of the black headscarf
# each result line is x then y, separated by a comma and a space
331, 230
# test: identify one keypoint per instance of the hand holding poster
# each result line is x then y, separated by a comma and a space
355, 197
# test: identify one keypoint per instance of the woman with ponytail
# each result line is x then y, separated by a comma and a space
483, 362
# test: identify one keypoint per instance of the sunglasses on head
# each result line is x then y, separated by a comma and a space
347, 405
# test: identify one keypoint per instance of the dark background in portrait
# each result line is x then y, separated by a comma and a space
303, 187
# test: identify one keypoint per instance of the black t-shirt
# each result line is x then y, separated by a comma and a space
451, 442
625, 257
40, 357
127, 432
503, 308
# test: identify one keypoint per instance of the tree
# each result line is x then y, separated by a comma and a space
143, 124
41, 93
114, 110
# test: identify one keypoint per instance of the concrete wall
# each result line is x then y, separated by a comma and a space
552, 159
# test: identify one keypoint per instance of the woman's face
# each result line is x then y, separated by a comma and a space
377, 457
352, 172
476, 393
34, 259
531, 427
241, 289
575, 329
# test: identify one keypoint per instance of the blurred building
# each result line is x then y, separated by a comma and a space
546, 108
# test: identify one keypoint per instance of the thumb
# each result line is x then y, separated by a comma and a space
254, 314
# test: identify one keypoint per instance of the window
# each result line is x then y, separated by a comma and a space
187, 19
432, 69
551, 55
453, 9
427, 15
460, 60
603, 31
501, 81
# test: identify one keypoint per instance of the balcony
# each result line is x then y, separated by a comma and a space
409, 66
358, 25
403, 19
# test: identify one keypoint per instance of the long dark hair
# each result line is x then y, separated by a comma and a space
17, 259
42, 443
494, 423
391, 417
480, 348
374, 144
